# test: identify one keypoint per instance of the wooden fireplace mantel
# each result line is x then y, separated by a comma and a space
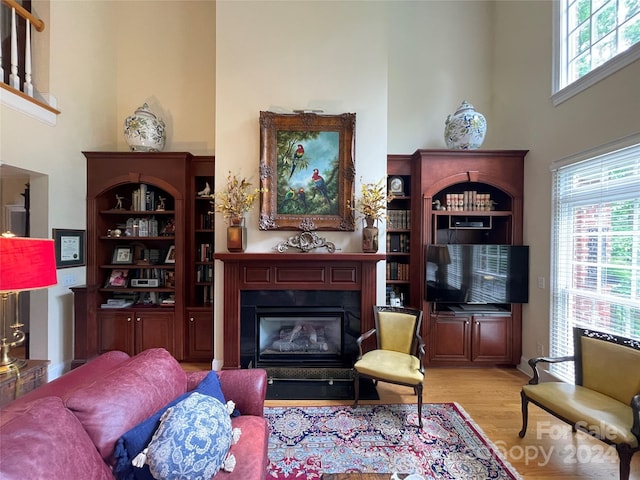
293, 271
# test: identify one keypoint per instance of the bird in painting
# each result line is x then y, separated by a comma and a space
320, 184
302, 197
289, 196
297, 155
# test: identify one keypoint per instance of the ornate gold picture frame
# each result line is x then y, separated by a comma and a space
307, 171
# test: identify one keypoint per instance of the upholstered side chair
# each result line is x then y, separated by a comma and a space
399, 351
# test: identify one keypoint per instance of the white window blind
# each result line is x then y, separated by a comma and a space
595, 250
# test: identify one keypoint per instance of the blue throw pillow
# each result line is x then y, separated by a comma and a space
136, 439
192, 441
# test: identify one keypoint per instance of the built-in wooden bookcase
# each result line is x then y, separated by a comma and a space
199, 334
463, 197
470, 197
399, 274
149, 256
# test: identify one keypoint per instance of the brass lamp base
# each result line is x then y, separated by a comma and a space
9, 364
15, 364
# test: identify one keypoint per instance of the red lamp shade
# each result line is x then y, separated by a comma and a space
26, 264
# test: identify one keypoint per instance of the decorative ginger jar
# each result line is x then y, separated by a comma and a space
144, 131
465, 129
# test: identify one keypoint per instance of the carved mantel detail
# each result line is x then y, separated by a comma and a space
295, 271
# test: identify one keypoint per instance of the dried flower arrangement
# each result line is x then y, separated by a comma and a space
372, 204
236, 199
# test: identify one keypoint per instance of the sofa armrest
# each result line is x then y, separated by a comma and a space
635, 408
533, 363
247, 387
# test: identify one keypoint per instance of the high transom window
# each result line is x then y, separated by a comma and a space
593, 39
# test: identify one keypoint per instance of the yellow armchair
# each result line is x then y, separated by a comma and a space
605, 400
399, 351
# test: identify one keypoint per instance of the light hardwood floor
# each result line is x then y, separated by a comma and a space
491, 397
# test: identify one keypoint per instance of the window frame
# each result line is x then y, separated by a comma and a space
561, 295
562, 93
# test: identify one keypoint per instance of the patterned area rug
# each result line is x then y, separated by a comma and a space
308, 441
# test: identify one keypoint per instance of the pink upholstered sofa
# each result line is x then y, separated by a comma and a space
68, 428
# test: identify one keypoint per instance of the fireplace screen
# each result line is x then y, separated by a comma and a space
287, 337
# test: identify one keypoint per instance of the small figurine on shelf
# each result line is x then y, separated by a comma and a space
206, 191
437, 205
161, 204
491, 204
118, 203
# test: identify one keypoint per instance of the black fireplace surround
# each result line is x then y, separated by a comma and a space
299, 329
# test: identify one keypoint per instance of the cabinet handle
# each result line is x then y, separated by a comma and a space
137, 319
191, 319
466, 322
477, 323
128, 319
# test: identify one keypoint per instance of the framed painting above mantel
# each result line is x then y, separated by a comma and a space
307, 171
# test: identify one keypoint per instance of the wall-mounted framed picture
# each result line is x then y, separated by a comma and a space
171, 255
307, 171
69, 247
122, 254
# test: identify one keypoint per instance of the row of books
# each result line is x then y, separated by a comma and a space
143, 199
205, 252
399, 219
204, 273
398, 242
397, 271
468, 201
205, 221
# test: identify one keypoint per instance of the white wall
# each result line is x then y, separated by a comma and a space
440, 53
526, 118
106, 59
84, 88
395, 64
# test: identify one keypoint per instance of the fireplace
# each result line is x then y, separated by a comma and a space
287, 290
294, 336
295, 329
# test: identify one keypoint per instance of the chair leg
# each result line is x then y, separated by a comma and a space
624, 453
418, 389
525, 414
356, 387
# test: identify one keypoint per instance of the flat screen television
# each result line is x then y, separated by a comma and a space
477, 274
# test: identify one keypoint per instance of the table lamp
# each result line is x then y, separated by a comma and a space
439, 254
25, 264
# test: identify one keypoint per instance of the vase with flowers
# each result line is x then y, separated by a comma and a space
372, 206
236, 199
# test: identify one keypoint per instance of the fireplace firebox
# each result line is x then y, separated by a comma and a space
299, 335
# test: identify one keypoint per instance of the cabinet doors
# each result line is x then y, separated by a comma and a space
465, 339
133, 331
200, 335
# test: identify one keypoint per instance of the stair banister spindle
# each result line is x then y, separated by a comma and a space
28, 87
14, 79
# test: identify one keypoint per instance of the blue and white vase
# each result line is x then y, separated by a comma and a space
144, 131
465, 129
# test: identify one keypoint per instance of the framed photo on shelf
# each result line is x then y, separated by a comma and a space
118, 278
169, 279
122, 255
307, 170
69, 247
171, 255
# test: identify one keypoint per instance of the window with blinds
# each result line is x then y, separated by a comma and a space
595, 269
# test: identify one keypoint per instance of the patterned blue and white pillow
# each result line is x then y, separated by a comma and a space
192, 441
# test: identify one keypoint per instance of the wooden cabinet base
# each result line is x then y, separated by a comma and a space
30, 377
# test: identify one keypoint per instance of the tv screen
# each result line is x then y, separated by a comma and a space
477, 274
